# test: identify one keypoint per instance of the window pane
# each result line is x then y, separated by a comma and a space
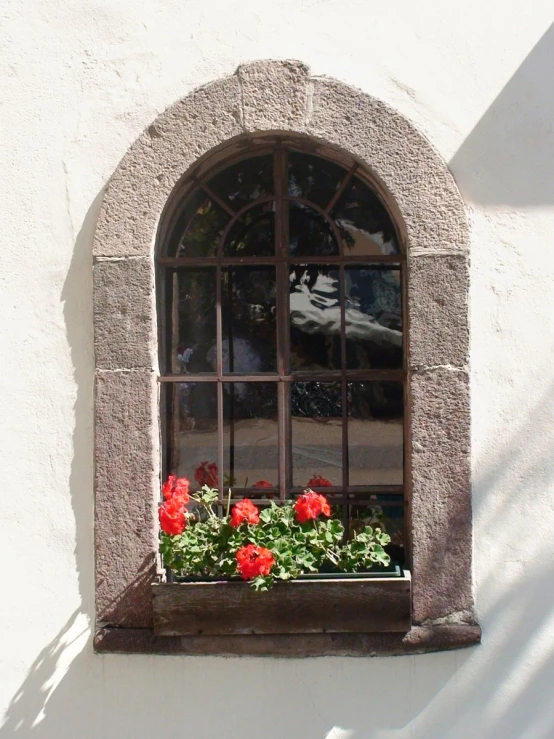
316, 420
250, 434
245, 181
313, 178
199, 228
314, 317
375, 433
310, 233
192, 325
373, 317
253, 235
365, 225
191, 412
248, 310
387, 513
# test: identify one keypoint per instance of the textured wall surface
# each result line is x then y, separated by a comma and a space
80, 82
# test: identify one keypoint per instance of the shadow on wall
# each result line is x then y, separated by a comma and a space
508, 158
499, 690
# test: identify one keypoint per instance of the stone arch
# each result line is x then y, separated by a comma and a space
280, 97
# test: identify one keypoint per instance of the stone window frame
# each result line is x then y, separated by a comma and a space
420, 192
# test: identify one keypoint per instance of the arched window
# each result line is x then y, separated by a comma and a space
280, 279
284, 289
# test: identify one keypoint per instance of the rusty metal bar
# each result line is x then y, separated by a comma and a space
215, 197
385, 259
341, 188
367, 375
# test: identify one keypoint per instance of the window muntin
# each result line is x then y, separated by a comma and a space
281, 319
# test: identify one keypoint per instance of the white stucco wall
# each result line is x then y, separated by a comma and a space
79, 82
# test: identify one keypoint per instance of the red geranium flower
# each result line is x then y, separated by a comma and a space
253, 560
206, 474
172, 517
176, 488
262, 484
244, 510
316, 481
310, 505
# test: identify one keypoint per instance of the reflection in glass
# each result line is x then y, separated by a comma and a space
365, 225
375, 433
193, 319
314, 317
312, 178
245, 181
253, 234
250, 434
199, 227
373, 317
316, 423
310, 233
248, 311
191, 413
386, 513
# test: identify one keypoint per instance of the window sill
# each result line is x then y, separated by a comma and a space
362, 619
418, 640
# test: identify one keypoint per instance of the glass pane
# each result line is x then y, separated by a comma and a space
192, 320
248, 310
313, 178
314, 317
191, 413
365, 225
245, 181
316, 420
253, 235
250, 434
387, 513
310, 233
198, 228
373, 317
375, 433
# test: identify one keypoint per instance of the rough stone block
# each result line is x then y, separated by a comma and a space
438, 289
418, 181
126, 482
441, 494
124, 314
274, 95
143, 181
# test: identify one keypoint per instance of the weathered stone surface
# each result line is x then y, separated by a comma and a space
438, 288
274, 95
418, 180
124, 314
126, 483
419, 640
142, 183
441, 494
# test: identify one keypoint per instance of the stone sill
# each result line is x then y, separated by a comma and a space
418, 640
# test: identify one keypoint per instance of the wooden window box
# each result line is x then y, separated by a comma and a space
364, 605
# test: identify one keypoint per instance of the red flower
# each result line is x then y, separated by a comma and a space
172, 517
310, 505
262, 484
206, 474
244, 510
253, 561
316, 481
176, 488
